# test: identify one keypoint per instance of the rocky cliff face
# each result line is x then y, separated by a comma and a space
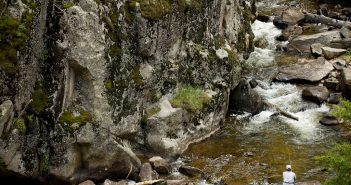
86, 85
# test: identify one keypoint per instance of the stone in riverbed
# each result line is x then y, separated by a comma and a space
146, 173
338, 64
305, 71
303, 43
345, 83
109, 182
244, 99
190, 171
160, 165
345, 33
329, 119
316, 94
288, 17
316, 49
331, 83
330, 53
334, 98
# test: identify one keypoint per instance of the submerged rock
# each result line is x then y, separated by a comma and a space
316, 94
190, 171
305, 71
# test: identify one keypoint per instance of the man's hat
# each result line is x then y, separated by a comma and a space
288, 167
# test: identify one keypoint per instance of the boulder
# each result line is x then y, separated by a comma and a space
289, 32
253, 83
303, 43
330, 53
316, 94
329, 119
288, 17
190, 171
146, 173
331, 83
345, 83
338, 64
334, 98
6, 113
88, 182
160, 165
262, 17
305, 71
340, 43
316, 49
344, 32
244, 99
221, 54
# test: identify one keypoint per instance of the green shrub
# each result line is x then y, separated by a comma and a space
344, 111
20, 125
190, 98
338, 160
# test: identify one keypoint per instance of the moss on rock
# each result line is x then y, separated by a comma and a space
71, 121
40, 99
20, 125
190, 98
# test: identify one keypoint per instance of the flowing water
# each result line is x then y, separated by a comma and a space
255, 149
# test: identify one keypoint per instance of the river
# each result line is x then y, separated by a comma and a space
252, 149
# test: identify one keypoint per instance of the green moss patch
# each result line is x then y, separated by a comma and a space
20, 125
136, 76
150, 9
40, 99
67, 5
71, 121
190, 98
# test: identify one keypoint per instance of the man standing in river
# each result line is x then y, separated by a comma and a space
289, 177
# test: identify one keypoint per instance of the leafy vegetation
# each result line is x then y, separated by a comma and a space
338, 160
190, 98
344, 111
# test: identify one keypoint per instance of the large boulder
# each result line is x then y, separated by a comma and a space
288, 17
330, 53
345, 83
303, 43
305, 71
316, 94
244, 99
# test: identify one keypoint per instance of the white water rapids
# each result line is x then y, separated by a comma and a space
286, 96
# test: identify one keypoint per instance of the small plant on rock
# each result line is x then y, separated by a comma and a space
190, 98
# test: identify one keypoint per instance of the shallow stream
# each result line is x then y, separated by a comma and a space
255, 149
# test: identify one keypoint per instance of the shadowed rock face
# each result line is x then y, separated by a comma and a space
96, 81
